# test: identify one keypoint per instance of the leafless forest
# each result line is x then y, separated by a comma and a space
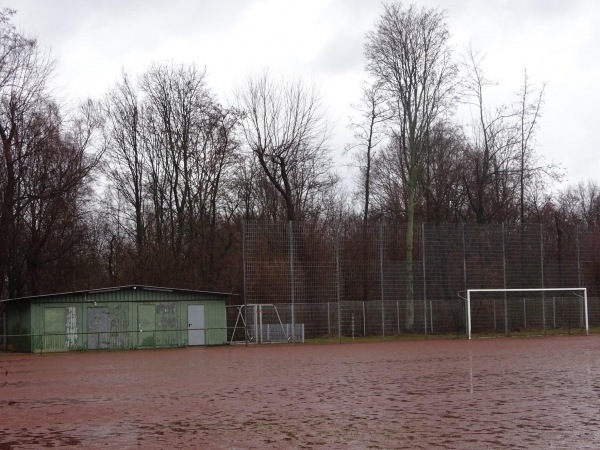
153, 183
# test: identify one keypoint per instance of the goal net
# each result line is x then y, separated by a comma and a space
526, 311
262, 323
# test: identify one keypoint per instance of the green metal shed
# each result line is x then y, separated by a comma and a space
124, 317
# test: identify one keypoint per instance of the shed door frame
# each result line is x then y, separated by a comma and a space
55, 329
98, 327
196, 323
146, 324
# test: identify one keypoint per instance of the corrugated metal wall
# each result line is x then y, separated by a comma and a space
119, 319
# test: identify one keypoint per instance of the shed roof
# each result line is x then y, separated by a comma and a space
120, 288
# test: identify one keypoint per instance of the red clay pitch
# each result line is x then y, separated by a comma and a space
488, 393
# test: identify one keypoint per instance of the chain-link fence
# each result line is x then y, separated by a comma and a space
122, 340
347, 280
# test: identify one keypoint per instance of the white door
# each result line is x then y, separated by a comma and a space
196, 325
98, 331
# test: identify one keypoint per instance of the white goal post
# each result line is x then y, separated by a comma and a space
262, 323
575, 291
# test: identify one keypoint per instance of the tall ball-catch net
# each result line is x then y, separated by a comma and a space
526, 311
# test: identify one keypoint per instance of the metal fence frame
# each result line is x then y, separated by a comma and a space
292, 263
121, 340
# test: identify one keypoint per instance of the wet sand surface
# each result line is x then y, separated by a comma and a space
488, 393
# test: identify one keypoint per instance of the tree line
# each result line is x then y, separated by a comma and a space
151, 183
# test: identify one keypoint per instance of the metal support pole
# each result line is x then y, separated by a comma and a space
292, 281
578, 257
364, 319
398, 315
245, 258
504, 274
585, 309
469, 314
544, 312
256, 330
338, 293
424, 280
431, 315
381, 279
542, 270
465, 267
328, 321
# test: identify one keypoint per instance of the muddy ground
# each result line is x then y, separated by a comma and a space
487, 393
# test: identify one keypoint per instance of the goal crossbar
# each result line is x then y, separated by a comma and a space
573, 290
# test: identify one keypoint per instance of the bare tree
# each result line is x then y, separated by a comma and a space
126, 156
440, 195
368, 133
286, 130
502, 169
373, 111
23, 75
488, 177
441, 186
55, 190
43, 165
529, 111
173, 153
190, 143
580, 204
409, 54
176, 98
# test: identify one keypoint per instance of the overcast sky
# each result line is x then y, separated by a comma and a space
557, 41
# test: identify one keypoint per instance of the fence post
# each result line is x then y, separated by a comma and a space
495, 314
425, 281
398, 315
259, 339
504, 275
245, 259
465, 271
292, 279
339, 297
587, 323
431, 316
364, 319
328, 320
542, 269
381, 279
581, 312
578, 257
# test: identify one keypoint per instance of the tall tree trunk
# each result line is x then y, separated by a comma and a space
409, 277
7, 215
